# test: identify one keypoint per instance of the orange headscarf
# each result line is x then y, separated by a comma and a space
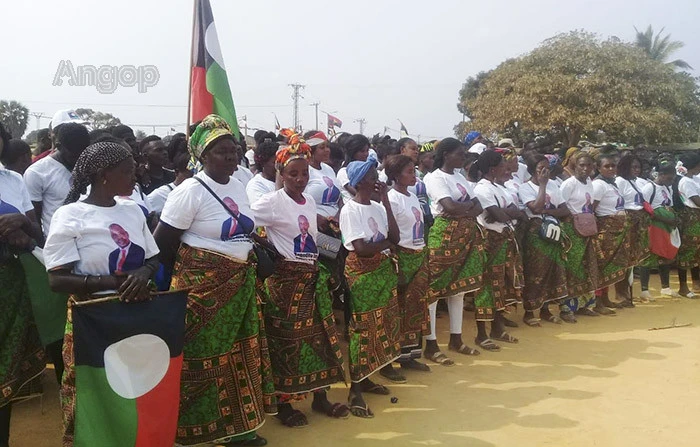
295, 149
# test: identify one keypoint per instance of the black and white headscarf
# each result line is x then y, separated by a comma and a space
97, 156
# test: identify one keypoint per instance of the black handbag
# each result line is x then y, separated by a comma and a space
550, 229
264, 251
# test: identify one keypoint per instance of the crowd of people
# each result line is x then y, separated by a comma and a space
290, 247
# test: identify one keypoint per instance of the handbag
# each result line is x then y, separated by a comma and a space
646, 205
550, 229
585, 224
328, 246
264, 251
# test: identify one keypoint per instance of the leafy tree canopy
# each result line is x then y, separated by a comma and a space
98, 120
14, 117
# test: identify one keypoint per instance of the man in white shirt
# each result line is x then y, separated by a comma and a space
48, 180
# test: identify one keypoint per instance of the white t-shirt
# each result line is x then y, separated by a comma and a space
136, 196
258, 187
409, 217
578, 196
491, 194
14, 197
522, 175
513, 188
609, 198
158, 196
100, 240
688, 188
325, 189
48, 181
633, 200
367, 222
641, 183
440, 185
662, 197
207, 224
552, 199
242, 174
290, 226
477, 148
343, 180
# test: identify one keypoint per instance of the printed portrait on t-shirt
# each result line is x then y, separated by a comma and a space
665, 202
331, 194
588, 206
418, 227
128, 256
548, 202
6, 208
304, 243
232, 228
463, 191
620, 204
420, 188
639, 199
377, 236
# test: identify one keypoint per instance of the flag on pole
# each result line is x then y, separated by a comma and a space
209, 89
333, 121
404, 131
277, 123
128, 359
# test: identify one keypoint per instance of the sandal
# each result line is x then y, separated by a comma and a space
464, 349
532, 322
506, 337
552, 319
439, 358
393, 375
488, 345
415, 365
257, 441
294, 419
336, 411
568, 317
374, 388
359, 408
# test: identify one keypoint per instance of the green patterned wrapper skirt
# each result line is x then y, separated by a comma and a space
412, 292
638, 236
375, 328
689, 251
580, 262
613, 249
543, 267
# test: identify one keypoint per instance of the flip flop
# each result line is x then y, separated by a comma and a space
358, 410
532, 322
295, 419
464, 349
488, 345
415, 365
553, 319
336, 411
506, 337
374, 388
439, 358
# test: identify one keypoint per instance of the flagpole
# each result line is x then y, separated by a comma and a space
189, 84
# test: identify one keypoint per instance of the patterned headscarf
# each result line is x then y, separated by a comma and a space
553, 159
210, 129
97, 156
569, 153
295, 149
427, 147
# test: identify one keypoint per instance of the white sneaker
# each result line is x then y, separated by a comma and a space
667, 291
645, 296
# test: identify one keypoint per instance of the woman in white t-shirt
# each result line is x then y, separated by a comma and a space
356, 149
207, 223
99, 246
455, 261
503, 269
581, 261
412, 257
613, 241
543, 257
158, 197
298, 310
264, 181
22, 352
323, 185
370, 232
689, 217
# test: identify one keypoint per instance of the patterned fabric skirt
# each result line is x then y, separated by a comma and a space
21, 354
613, 249
412, 292
503, 275
543, 267
580, 262
455, 257
227, 385
689, 252
375, 328
638, 236
304, 345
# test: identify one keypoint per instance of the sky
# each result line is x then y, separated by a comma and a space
379, 60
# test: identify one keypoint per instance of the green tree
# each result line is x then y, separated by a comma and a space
575, 85
140, 134
98, 120
14, 116
660, 48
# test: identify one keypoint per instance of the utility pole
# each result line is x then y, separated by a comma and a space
245, 125
38, 116
315, 105
296, 95
362, 122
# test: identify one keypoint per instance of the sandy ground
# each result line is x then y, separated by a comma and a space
606, 381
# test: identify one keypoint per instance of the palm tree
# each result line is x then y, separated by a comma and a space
660, 48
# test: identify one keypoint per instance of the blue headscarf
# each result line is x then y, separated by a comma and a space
471, 136
358, 169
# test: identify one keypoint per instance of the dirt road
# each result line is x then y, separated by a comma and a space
605, 381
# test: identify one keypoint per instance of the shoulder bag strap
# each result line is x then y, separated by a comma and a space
213, 194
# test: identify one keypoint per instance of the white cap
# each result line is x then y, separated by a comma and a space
65, 116
505, 141
478, 148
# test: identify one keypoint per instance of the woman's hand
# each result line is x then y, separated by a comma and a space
135, 286
543, 176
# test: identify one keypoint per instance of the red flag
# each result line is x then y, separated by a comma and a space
333, 121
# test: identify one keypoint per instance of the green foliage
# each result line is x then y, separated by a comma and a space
576, 84
98, 120
660, 48
14, 117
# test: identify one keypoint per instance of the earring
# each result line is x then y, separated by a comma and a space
104, 182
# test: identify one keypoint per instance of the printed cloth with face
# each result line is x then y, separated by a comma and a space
325, 188
578, 196
207, 224
440, 185
610, 200
290, 226
409, 217
100, 240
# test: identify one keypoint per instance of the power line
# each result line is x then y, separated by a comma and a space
296, 96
